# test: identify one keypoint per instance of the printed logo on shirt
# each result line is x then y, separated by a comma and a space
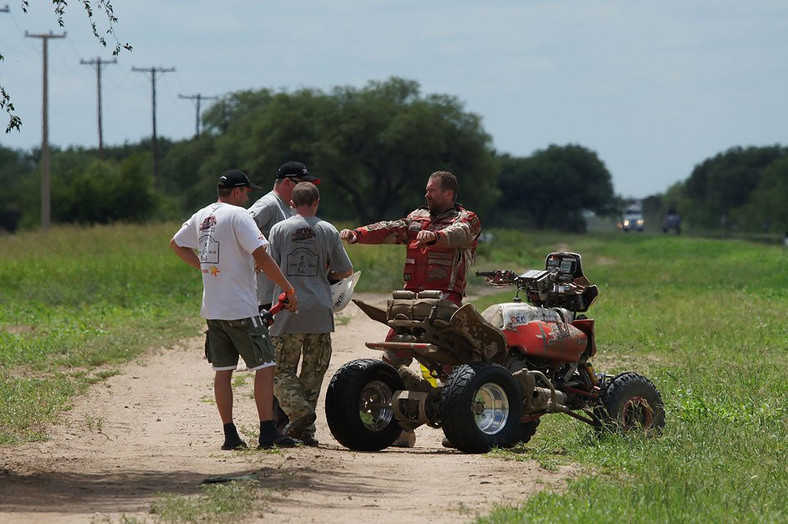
213, 271
302, 262
304, 233
209, 249
208, 223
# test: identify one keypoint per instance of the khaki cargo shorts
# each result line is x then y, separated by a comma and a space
248, 338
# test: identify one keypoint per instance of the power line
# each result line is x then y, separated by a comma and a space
46, 203
153, 71
197, 97
98, 62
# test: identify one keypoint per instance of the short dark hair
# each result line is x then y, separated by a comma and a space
447, 181
305, 194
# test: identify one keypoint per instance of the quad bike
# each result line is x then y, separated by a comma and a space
498, 372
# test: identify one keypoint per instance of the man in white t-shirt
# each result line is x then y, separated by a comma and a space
224, 243
273, 207
311, 254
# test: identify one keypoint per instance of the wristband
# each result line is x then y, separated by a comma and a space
290, 291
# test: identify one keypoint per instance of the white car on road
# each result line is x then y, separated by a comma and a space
632, 220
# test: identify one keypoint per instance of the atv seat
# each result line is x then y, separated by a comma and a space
410, 309
437, 329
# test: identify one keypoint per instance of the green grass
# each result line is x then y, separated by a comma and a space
704, 319
76, 301
225, 502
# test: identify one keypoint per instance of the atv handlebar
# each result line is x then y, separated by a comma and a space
532, 281
499, 277
545, 287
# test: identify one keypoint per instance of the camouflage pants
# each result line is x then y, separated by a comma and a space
298, 392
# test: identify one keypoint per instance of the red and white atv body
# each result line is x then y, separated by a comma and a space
498, 372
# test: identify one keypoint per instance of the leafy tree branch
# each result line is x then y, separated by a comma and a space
6, 104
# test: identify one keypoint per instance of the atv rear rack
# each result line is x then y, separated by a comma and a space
430, 352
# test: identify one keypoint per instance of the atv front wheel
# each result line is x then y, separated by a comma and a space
358, 405
632, 403
481, 408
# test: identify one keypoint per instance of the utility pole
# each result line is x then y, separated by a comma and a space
98, 62
197, 97
46, 203
153, 71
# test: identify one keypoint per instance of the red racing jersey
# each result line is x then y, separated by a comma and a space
427, 266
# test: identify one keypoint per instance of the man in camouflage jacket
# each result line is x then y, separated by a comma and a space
441, 239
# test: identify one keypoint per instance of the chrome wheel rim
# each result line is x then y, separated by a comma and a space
490, 408
374, 405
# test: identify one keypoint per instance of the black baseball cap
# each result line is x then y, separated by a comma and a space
296, 170
236, 178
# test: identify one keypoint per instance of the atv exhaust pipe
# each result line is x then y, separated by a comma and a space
541, 400
538, 399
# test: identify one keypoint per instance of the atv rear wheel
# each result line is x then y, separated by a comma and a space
481, 408
358, 405
632, 403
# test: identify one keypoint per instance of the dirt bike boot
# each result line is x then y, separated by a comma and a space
299, 424
406, 439
308, 439
413, 380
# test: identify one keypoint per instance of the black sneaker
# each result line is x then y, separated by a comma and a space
281, 441
230, 445
231, 438
294, 427
270, 437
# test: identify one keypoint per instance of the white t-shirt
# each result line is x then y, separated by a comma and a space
224, 236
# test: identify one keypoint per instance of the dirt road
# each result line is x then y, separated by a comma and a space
154, 429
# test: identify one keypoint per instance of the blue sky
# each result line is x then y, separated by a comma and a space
654, 88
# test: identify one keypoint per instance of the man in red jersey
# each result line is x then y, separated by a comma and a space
441, 240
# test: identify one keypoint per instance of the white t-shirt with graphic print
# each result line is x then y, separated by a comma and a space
224, 236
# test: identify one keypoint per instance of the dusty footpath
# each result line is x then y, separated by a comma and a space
154, 429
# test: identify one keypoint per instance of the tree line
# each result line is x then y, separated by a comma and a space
743, 189
373, 147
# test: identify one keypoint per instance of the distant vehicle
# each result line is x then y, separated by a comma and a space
672, 221
632, 220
